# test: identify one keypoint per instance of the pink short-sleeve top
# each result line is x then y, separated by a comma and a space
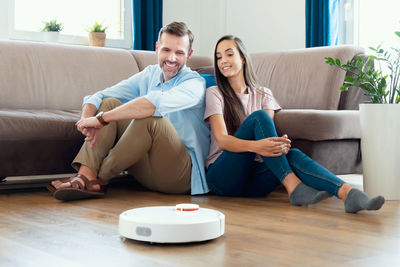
254, 100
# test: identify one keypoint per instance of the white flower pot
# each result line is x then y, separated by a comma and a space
51, 37
380, 148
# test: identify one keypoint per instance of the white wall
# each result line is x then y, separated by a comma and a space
4, 9
263, 25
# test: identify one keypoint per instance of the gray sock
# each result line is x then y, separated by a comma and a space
305, 195
357, 200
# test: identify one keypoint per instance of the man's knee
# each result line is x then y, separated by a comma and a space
152, 121
109, 103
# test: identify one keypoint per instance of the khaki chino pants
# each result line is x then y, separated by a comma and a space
150, 149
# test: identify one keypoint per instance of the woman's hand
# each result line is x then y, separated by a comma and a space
287, 144
272, 146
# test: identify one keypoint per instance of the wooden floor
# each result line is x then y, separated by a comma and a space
37, 230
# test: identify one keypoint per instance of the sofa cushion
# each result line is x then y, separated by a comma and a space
27, 124
55, 76
300, 79
205, 70
318, 125
145, 58
210, 80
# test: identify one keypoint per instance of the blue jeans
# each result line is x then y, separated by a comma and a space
237, 174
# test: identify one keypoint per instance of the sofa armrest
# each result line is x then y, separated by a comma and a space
318, 125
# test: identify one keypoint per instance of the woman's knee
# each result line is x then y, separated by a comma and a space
261, 115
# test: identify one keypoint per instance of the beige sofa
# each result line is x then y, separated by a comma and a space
42, 87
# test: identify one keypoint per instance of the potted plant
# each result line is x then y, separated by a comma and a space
97, 34
379, 119
51, 30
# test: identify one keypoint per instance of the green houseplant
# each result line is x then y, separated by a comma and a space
97, 35
52, 26
51, 30
372, 80
379, 120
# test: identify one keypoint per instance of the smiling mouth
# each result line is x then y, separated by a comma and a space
225, 68
171, 65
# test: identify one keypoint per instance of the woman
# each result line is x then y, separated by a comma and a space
246, 157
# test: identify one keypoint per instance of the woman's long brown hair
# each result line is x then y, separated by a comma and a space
233, 108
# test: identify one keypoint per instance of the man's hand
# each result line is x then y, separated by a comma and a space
91, 135
89, 127
91, 122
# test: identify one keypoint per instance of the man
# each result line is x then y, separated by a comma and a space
150, 124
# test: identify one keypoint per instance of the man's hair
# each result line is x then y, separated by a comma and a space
178, 29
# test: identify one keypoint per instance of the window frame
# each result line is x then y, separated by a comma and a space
349, 22
125, 43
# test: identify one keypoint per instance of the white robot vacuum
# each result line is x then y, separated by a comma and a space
171, 224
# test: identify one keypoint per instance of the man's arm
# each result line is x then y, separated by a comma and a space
188, 94
124, 91
88, 110
138, 108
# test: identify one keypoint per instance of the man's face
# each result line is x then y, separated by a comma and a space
172, 52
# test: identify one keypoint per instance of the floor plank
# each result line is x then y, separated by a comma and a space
37, 230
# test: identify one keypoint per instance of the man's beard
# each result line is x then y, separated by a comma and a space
169, 74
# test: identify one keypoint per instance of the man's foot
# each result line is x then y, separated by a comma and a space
305, 195
357, 200
77, 187
67, 182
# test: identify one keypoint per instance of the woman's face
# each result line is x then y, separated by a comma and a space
229, 61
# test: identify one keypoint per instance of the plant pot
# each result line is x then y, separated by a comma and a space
97, 38
380, 149
51, 37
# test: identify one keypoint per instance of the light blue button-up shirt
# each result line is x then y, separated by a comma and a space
181, 100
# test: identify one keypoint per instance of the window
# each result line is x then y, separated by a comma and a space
369, 22
378, 20
77, 16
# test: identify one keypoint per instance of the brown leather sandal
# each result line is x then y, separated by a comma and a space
78, 190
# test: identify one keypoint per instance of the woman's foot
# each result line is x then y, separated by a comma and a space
357, 200
305, 195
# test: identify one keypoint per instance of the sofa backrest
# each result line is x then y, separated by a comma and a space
300, 79
56, 76
145, 58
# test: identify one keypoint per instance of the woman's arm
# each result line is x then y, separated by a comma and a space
268, 147
270, 113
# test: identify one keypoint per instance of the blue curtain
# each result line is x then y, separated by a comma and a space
147, 22
322, 22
